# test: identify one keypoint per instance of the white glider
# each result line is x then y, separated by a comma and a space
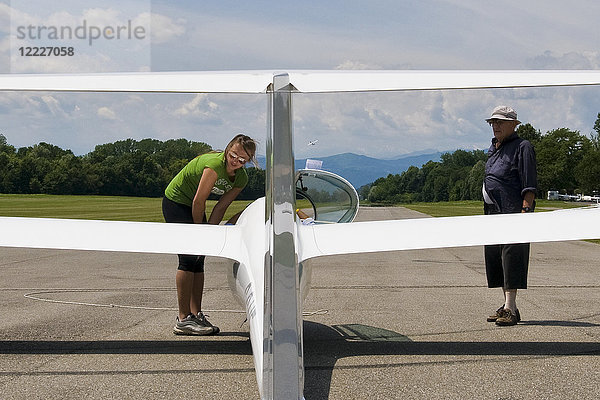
271, 249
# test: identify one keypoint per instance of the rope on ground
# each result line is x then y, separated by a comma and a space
34, 296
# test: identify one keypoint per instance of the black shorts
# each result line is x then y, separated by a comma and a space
179, 213
506, 265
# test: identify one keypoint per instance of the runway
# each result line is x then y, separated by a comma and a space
398, 325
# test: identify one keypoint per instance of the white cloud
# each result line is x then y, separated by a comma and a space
11, 15
257, 44
54, 106
4, 18
58, 19
353, 64
199, 106
104, 17
107, 113
164, 29
5, 45
571, 60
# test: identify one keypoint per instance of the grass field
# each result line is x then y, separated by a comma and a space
114, 208
473, 207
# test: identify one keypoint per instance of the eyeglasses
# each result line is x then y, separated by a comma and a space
496, 121
239, 159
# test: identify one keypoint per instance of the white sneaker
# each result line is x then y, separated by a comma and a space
204, 322
190, 325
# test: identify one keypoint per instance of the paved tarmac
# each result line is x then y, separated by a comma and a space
399, 325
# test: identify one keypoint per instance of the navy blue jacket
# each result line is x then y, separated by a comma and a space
510, 172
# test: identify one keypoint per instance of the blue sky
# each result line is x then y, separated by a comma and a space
230, 35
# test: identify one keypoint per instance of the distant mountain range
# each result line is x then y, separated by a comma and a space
361, 170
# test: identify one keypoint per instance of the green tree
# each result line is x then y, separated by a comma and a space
384, 190
66, 177
597, 124
412, 180
559, 153
256, 184
528, 132
588, 172
441, 187
363, 191
7, 161
474, 181
458, 191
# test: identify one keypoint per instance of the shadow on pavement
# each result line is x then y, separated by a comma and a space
577, 324
323, 347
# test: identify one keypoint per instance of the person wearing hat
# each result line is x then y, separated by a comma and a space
509, 186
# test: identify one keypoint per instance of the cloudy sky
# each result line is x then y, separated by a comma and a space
147, 35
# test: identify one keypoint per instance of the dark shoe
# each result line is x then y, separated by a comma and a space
507, 318
498, 314
190, 325
204, 322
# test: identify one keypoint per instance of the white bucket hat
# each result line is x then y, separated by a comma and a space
504, 113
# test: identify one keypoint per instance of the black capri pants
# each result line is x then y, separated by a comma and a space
179, 213
506, 265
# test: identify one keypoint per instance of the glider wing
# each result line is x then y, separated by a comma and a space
429, 233
143, 237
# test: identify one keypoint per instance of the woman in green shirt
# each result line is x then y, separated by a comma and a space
221, 173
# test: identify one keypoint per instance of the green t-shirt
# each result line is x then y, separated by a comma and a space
183, 187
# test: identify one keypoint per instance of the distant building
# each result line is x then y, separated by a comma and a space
554, 195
